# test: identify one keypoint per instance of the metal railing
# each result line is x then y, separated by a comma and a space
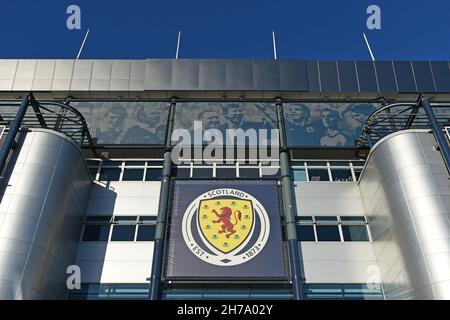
400, 116
52, 115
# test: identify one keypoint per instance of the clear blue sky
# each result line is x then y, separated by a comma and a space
316, 29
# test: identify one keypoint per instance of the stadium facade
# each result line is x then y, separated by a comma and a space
344, 194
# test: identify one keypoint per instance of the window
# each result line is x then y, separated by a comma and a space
226, 172
343, 292
123, 232
130, 170
336, 171
305, 233
300, 175
146, 229
96, 233
249, 172
96, 228
133, 174
318, 174
202, 172
123, 228
354, 229
328, 233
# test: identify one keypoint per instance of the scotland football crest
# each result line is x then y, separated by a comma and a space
224, 220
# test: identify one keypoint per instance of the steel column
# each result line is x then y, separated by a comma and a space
12, 133
288, 208
163, 207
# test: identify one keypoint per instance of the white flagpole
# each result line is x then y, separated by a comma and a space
178, 44
274, 46
368, 47
82, 45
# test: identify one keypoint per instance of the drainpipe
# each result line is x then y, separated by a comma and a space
163, 208
288, 207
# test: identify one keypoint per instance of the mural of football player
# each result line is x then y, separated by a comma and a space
110, 123
298, 129
332, 137
145, 130
354, 118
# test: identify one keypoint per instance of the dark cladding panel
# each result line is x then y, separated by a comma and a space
293, 75
405, 76
328, 76
347, 76
423, 75
266, 75
386, 76
366, 76
239, 75
158, 74
441, 73
212, 75
313, 76
185, 75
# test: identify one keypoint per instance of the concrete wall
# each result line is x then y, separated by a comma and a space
41, 215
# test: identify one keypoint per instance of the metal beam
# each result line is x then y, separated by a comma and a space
437, 131
12, 133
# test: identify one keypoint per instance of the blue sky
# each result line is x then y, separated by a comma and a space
318, 29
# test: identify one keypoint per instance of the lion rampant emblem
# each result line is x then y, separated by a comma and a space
225, 217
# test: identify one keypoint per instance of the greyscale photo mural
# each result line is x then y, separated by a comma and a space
124, 122
226, 115
319, 124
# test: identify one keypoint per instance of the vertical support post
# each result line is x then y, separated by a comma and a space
288, 208
12, 133
437, 131
163, 207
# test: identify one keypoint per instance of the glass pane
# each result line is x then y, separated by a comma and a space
341, 174
134, 163
148, 219
318, 174
123, 233
355, 233
108, 163
300, 175
226, 172
328, 233
146, 233
270, 172
304, 220
96, 233
99, 219
133, 174
125, 219
181, 172
305, 233
327, 220
316, 163
252, 173
353, 220
153, 174
202, 172
109, 174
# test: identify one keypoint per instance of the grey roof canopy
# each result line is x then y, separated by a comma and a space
162, 78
